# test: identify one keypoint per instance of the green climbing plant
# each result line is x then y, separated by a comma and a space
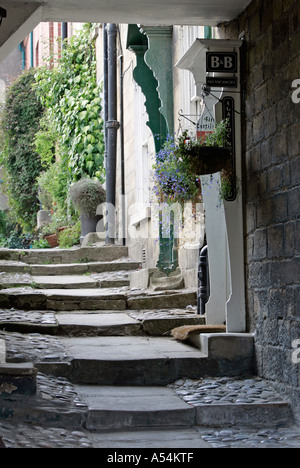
21, 163
70, 93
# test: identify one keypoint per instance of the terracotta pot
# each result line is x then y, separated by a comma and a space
52, 240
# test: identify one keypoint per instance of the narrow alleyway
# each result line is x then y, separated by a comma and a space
109, 373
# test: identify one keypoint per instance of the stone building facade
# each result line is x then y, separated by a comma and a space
271, 146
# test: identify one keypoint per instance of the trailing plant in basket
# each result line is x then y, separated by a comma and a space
178, 166
174, 181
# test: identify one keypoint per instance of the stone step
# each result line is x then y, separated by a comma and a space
165, 299
120, 324
108, 410
61, 256
68, 268
145, 361
90, 280
62, 299
98, 323
112, 408
94, 299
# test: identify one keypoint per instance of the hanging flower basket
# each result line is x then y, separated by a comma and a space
180, 164
209, 159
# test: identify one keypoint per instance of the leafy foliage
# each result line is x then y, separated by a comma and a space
53, 184
11, 235
71, 95
40, 244
21, 163
69, 237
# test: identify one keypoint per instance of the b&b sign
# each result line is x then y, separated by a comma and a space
221, 62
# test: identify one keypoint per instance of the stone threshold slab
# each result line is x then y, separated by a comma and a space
114, 408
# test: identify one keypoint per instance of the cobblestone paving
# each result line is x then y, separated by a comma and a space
58, 394
36, 436
273, 437
32, 347
227, 390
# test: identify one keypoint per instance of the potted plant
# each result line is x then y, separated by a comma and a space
86, 195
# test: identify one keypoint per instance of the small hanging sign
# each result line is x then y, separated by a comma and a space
221, 82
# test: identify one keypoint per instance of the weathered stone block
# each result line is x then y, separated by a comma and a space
275, 241
17, 379
260, 244
265, 212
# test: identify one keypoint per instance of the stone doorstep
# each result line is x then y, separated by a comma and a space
227, 346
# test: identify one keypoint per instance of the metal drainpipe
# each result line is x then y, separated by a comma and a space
64, 33
112, 126
105, 87
122, 149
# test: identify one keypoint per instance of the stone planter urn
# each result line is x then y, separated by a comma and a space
89, 224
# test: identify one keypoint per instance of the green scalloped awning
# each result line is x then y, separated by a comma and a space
135, 37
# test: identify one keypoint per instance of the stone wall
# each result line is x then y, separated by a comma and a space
272, 184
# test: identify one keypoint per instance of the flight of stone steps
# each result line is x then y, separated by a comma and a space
114, 341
